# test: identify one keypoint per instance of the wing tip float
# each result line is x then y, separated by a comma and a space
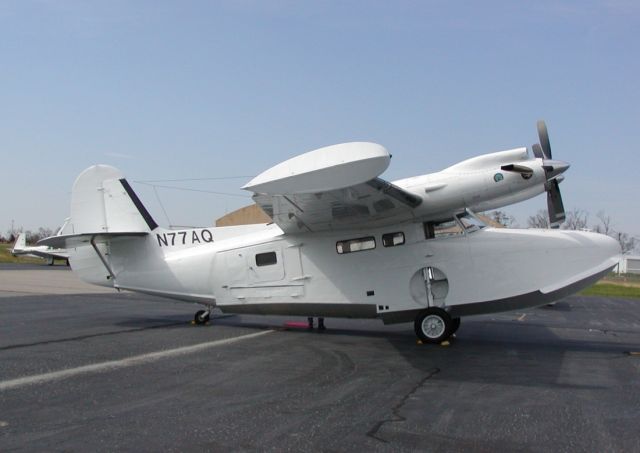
330, 168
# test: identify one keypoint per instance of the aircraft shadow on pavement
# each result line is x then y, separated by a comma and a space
544, 350
503, 354
488, 352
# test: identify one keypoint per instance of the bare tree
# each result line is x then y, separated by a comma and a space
539, 220
502, 218
627, 243
604, 226
576, 219
33, 237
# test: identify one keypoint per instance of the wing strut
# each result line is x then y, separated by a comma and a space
104, 262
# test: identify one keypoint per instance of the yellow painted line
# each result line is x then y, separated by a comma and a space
521, 318
123, 363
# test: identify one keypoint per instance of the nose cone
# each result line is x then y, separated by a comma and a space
598, 252
554, 168
608, 246
578, 259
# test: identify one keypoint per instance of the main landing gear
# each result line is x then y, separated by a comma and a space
434, 325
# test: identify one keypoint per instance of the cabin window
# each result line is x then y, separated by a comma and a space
393, 239
356, 245
266, 259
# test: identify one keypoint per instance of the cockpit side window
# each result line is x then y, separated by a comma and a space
463, 223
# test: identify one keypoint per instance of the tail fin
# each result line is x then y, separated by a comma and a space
103, 206
21, 243
104, 209
102, 201
62, 229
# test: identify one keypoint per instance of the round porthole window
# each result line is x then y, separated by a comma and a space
498, 177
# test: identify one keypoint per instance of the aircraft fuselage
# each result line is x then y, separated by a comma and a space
391, 273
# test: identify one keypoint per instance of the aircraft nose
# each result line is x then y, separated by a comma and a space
554, 168
609, 245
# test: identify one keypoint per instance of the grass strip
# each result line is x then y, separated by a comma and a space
611, 290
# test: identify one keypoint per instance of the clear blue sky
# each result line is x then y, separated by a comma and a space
189, 89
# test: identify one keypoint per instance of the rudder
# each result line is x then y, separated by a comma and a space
21, 243
102, 201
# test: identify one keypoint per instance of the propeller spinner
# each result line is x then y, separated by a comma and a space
553, 169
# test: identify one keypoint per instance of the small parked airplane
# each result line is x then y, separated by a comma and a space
20, 248
346, 243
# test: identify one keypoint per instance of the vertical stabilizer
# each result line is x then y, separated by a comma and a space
21, 243
102, 201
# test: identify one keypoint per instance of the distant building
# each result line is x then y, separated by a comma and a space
244, 216
629, 264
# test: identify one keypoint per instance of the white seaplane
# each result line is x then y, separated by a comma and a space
50, 254
346, 243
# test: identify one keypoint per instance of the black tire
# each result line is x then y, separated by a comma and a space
434, 325
455, 325
201, 317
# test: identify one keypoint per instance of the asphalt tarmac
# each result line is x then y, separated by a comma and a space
89, 369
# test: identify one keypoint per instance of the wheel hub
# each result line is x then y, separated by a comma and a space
433, 326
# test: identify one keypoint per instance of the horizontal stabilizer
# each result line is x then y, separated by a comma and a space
68, 241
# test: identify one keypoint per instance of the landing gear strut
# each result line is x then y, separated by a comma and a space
434, 325
201, 317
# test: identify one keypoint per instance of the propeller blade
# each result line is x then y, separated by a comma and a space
554, 204
543, 136
537, 151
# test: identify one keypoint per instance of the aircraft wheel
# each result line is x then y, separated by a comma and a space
455, 325
201, 317
433, 325
50, 261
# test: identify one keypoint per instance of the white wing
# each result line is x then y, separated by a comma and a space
333, 188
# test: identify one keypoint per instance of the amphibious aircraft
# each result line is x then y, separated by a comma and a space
346, 243
20, 248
